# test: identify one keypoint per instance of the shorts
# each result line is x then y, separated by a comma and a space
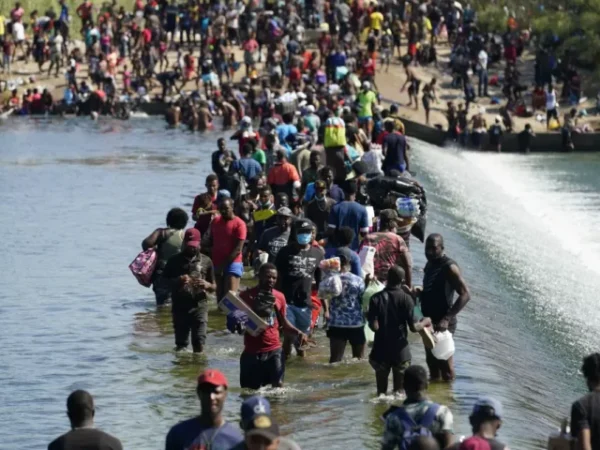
261, 369
385, 366
236, 269
356, 335
299, 317
365, 119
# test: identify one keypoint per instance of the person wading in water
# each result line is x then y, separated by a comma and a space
441, 279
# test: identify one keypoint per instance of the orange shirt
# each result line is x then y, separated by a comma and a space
282, 173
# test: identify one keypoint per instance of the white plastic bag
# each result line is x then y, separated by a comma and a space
366, 256
330, 287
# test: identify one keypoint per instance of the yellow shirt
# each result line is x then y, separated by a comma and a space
2, 19
376, 20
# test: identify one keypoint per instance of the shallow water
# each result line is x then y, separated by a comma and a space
77, 198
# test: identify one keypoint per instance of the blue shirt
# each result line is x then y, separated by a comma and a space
332, 252
283, 131
188, 432
335, 192
64, 14
346, 311
395, 145
69, 97
350, 214
249, 167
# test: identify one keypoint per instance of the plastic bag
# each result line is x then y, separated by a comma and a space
330, 287
373, 288
367, 256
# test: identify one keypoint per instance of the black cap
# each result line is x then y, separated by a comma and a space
303, 226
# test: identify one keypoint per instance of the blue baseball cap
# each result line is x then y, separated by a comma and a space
252, 408
489, 407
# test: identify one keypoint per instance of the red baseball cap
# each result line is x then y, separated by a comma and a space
192, 237
212, 376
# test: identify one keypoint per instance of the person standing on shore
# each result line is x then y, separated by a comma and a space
83, 435
191, 276
585, 412
209, 429
442, 278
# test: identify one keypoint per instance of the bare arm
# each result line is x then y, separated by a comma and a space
459, 285
152, 240
405, 261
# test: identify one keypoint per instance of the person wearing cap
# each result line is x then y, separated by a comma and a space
334, 191
275, 238
317, 210
298, 265
167, 243
486, 420
344, 314
366, 100
81, 412
261, 363
260, 430
191, 276
417, 412
209, 430
390, 249
350, 213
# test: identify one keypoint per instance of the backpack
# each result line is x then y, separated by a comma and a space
412, 429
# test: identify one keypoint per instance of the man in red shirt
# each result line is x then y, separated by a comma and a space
84, 11
227, 234
261, 362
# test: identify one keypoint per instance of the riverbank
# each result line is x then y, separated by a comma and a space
389, 85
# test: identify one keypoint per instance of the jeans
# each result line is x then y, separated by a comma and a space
483, 81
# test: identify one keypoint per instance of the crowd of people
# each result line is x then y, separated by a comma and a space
319, 179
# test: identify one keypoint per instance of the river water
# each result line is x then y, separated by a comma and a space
77, 198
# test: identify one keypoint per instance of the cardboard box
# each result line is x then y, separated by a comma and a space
231, 302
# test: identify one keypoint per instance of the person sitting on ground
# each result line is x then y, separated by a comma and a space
486, 420
418, 416
81, 412
167, 243
209, 428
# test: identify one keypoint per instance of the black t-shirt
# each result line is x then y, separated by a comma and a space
394, 311
525, 138
297, 269
585, 413
86, 438
395, 144
318, 213
273, 240
200, 266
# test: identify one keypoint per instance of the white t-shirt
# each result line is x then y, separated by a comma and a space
551, 100
18, 31
483, 59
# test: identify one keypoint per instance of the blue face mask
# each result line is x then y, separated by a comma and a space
304, 238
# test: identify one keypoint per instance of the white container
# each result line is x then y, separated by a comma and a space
444, 345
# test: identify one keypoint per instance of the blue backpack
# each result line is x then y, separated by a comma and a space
412, 429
